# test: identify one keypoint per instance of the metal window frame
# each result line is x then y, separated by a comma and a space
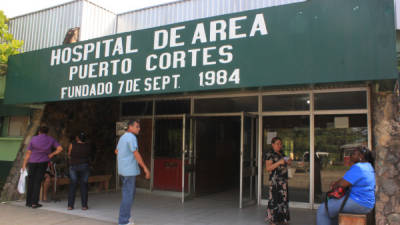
260, 113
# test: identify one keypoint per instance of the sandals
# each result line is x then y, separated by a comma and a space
70, 208
85, 208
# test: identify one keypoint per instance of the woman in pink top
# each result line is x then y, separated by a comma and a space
37, 156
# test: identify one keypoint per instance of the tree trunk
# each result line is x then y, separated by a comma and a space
9, 191
386, 131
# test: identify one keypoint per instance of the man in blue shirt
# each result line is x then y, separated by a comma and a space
129, 160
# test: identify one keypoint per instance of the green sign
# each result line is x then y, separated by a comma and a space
304, 43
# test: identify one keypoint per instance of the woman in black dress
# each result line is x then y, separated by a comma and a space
278, 199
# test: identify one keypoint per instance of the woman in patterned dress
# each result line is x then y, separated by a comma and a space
278, 199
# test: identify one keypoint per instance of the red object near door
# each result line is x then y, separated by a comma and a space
168, 174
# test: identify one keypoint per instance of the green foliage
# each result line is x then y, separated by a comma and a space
8, 46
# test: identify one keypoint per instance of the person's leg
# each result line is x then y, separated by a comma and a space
323, 218
37, 181
72, 187
128, 184
46, 185
31, 171
84, 176
353, 207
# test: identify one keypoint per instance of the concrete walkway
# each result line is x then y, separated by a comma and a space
149, 209
18, 215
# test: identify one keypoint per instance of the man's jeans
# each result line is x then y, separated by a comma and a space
128, 196
333, 206
80, 171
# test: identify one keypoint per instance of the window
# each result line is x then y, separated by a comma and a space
170, 107
335, 136
273, 103
341, 100
13, 126
226, 105
137, 108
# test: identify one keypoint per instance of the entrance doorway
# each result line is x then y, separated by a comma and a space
204, 155
217, 154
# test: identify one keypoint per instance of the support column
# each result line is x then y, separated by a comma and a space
386, 136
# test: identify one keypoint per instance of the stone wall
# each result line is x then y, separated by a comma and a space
386, 139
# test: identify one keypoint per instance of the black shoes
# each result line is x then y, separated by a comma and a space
36, 206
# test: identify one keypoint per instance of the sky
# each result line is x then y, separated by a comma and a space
15, 8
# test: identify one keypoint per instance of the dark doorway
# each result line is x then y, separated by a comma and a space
218, 154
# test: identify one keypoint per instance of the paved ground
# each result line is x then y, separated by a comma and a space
149, 209
19, 215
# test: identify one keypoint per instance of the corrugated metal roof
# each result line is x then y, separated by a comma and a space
96, 22
181, 11
47, 27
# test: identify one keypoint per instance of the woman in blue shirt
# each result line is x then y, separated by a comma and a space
361, 179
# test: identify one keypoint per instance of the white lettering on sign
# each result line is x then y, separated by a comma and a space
158, 83
220, 77
85, 90
259, 25
212, 46
100, 69
117, 46
161, 38
179, 59
221, 30
199, 34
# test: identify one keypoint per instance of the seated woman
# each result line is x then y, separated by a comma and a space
360, 178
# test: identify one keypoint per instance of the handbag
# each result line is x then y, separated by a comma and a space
21, 182
337, 193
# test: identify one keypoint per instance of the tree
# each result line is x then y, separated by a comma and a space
8, 46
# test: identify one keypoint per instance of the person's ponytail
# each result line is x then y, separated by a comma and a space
368, 156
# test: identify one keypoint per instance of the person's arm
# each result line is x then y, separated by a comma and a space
349, 178
69, 150
139, 159
56, 152
341, 183
271, 166
26, 159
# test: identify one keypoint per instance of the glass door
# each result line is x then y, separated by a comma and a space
167, 155
295, 134
248, 161
188, 158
